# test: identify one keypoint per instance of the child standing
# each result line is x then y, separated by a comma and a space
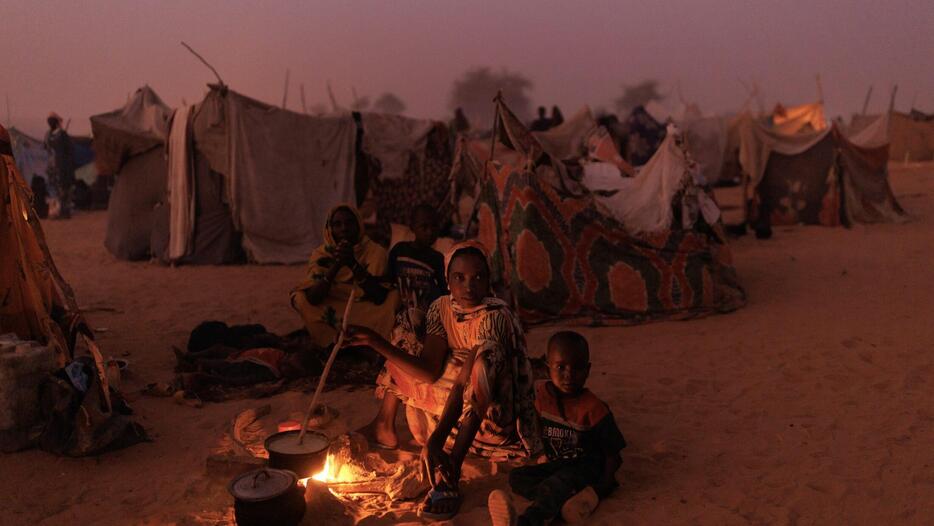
581, 439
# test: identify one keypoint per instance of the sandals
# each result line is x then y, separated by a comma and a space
437, 496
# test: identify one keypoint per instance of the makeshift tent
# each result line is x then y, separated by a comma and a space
32, 158
281, 171
582, 140
798, 119
579, 141
407, 162
561, 257
911, 135
37, 304
815, 177
129, 144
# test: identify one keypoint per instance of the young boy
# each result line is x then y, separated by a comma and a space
417, 269
581, 441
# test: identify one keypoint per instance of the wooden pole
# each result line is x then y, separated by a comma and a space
205, 62
327, 368
301, 92
866, 102
285, 91
892, 98
820, 90
334, 105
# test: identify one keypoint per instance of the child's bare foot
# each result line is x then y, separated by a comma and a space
502, 511
381, 434
580, 506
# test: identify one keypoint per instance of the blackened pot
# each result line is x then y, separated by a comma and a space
268, 497
306, 459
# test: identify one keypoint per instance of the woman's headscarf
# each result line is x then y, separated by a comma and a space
490, 301
367, 253
330, 243
465, 245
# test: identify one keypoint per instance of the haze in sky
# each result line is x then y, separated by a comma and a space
83, 58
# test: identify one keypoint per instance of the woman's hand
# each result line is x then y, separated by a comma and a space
345, 255
358, 336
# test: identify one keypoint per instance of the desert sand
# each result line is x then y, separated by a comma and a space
814, 404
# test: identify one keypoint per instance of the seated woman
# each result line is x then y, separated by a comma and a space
347, 261
472, 375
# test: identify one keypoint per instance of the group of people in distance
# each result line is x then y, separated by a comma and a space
456, 362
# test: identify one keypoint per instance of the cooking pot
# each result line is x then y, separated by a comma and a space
305, 459
268, 497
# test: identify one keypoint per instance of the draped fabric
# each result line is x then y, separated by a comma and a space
562, 257
37, 304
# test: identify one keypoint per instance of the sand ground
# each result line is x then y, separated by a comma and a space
814, 404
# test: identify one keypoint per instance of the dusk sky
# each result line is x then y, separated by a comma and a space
83, 58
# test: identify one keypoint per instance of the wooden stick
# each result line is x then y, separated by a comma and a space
285, 92
820, 90
892, 99
205, 62
327, 368
301, 92
866, 102
334, 105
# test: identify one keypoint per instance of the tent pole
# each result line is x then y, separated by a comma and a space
285, 90
892, 98
205, 62
331, 96
866, 102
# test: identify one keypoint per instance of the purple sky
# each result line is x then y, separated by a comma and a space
82, 58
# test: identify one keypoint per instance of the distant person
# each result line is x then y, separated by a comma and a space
61, 168
542, 123
557, 118
460, 124
581, 439
40, 195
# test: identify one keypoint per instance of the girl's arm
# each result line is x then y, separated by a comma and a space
426, 368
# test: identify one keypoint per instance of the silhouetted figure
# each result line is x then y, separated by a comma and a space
460, 124
542, 123
61, 168
557, 118
40, 192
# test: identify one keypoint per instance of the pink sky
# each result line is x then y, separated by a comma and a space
82, 58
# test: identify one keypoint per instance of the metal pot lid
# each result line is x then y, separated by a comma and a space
262, 484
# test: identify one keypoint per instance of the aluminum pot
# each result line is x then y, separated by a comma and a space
305, 459
267, 497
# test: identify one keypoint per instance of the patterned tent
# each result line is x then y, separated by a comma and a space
560, 256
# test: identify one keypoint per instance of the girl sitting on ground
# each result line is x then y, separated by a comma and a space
472, 374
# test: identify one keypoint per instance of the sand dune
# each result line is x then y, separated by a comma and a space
812, 405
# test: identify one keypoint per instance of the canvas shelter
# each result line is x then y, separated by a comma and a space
32, 158
911, 135
37, 304
129, 144
561, 255
816, 177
